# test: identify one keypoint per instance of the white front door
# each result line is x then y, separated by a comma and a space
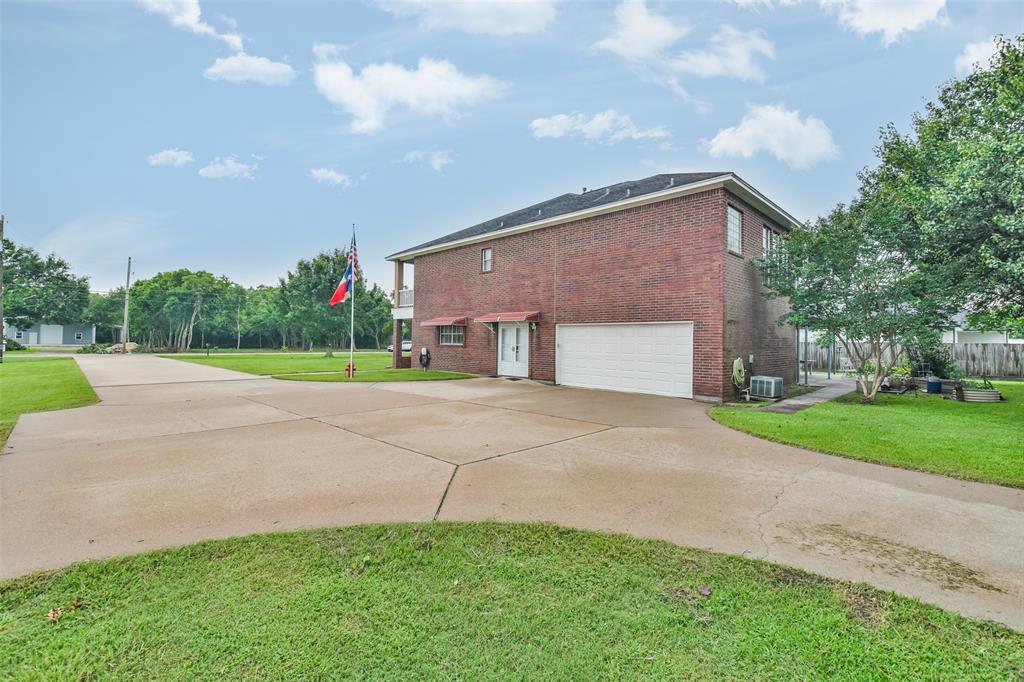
514, 349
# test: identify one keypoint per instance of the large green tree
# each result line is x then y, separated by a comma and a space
38, 288
851, 277
958, 180
166, 308
106, 311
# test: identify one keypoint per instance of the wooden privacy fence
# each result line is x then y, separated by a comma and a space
989, 359
973, 359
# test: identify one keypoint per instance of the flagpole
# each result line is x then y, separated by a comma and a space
352, 315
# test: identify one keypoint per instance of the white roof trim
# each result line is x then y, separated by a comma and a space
733, 182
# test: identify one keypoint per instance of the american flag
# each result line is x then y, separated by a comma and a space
348, 280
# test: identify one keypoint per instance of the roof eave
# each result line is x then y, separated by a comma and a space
730, 180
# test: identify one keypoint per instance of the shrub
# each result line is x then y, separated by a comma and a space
14, 345
93, 348
933, 358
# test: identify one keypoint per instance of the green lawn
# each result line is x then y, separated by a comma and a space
29, 384
476, 601
976, 441
289, 364
379, 375
370, 366
256, 351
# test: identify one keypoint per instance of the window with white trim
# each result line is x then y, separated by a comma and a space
451, 335
79, 336
734, 230
768, 239
486, 260
19, 335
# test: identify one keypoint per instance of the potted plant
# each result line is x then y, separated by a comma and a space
978, 392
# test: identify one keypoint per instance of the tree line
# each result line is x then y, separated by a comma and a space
935, 229
184, 309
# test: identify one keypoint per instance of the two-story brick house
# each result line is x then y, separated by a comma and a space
644, 286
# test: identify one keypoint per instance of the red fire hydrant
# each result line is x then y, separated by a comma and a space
350, 370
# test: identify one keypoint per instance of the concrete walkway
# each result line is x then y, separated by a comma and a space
178, 452
831, 388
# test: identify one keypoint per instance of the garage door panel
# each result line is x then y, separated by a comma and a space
642, 358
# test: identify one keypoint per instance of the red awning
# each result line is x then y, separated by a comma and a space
521, 316
444, 322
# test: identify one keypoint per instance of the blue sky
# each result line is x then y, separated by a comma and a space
240, 137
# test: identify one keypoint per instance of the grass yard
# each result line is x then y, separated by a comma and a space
476, 601
29, 384
975, 441
268, 365
370, 366
379, 375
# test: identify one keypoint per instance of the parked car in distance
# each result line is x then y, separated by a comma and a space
406, 346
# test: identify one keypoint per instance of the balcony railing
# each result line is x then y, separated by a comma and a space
405, 298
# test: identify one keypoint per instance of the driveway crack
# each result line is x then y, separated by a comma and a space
776, 501
444, 495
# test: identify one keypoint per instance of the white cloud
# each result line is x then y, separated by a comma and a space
329, 176
608, 127
495, 17
731, 52
640, 35
229, 167
891, 18
436, 159
434, 87
186, 14
975, 53
244, 68
644, 39
170, 157
778, 131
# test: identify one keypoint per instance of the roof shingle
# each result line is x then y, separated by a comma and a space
570, 203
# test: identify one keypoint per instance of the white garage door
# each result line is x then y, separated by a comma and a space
639, 358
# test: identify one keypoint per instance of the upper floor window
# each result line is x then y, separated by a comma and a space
451, 335
734, 230
486, 260
768, 240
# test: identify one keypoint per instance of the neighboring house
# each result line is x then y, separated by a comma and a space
644, 286
52, 334
960, 334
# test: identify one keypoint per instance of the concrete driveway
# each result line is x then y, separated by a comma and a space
178, 452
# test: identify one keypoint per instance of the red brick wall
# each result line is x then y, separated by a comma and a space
653, 263
750, 319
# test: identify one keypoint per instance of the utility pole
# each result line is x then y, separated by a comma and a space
3, 332
124, 328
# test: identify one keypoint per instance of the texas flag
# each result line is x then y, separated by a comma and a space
348, 280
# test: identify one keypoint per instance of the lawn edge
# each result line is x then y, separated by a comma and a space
50, 574
712, 411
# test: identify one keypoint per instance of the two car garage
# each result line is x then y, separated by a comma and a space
654, 357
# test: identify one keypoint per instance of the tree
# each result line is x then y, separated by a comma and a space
38, 289
261, 314
851, 277
168, 306
305, 293
959, 181
105, 311
373, 316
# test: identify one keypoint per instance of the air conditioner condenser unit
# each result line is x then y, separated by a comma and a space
766, 387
